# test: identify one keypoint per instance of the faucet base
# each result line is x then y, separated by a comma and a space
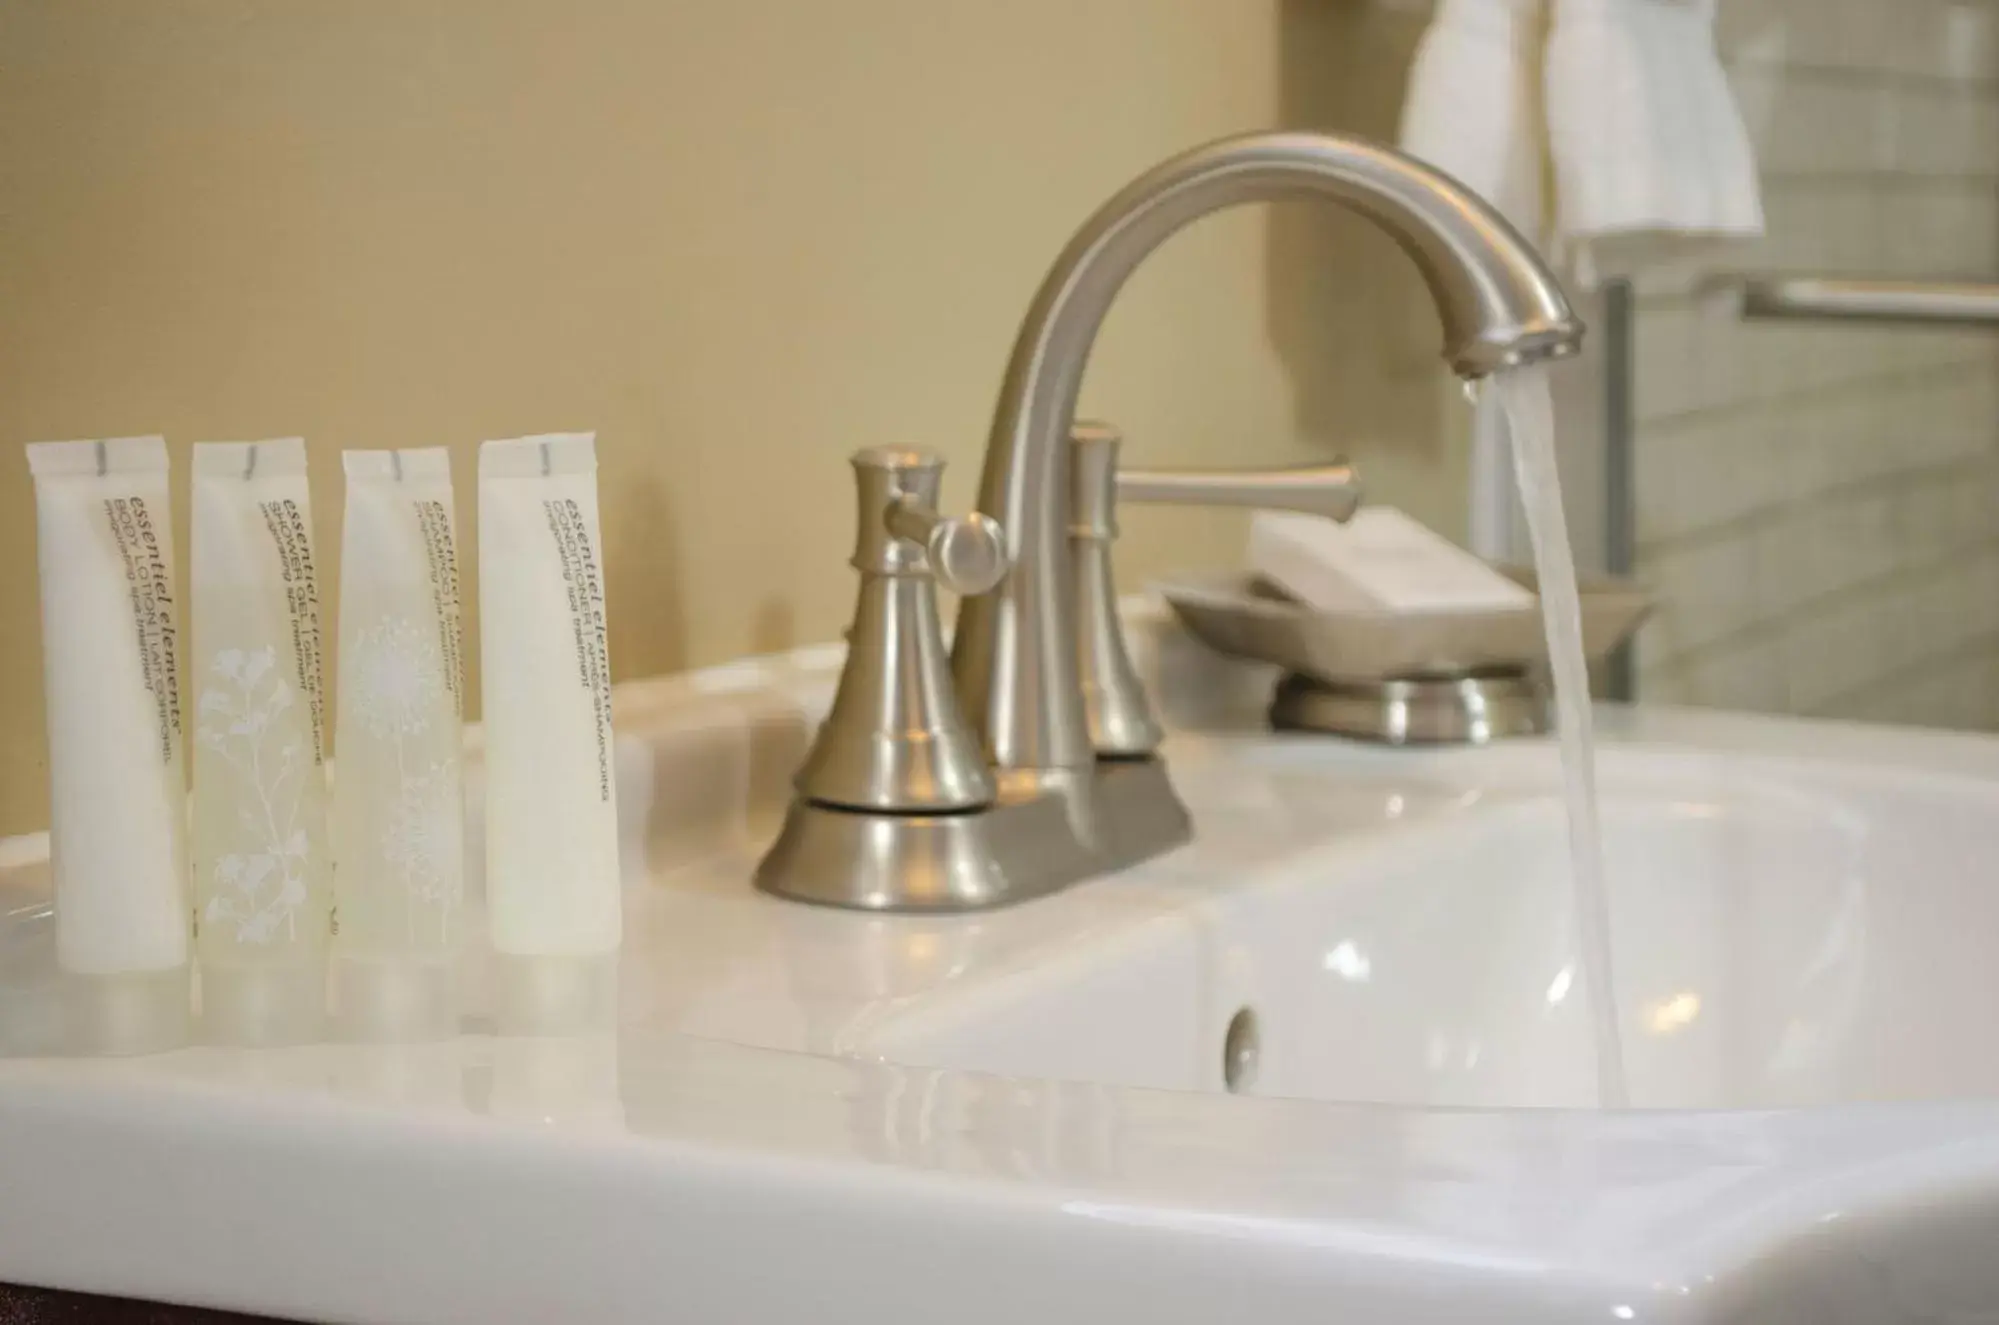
1123, 812
1138, 813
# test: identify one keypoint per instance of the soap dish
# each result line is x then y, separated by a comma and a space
1240, 614
1400, 677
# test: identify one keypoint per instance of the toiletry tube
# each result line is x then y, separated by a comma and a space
117, 792
262, 899
398, 804
552, 883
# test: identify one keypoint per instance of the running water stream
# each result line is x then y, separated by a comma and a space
1522, 393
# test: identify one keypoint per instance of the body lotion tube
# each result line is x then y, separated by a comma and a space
552, 879
261, 869
117, 790
398, 804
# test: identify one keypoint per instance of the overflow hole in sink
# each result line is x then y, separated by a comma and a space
1242, 1049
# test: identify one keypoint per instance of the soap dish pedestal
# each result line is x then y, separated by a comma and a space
1468, 709
1400, 678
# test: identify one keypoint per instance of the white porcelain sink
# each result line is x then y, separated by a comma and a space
1784, 937
804, 1113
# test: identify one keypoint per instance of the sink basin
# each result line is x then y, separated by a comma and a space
1330, 1059
1783, 938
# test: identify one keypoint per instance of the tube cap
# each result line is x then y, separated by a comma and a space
135, 1012
542, 995
395, 1001
263, 1004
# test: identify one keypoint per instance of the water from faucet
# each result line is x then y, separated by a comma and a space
1522, 393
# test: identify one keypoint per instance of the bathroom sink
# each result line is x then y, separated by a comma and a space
1027, 1113
1783, 938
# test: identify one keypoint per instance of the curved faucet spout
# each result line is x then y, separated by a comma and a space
1015, 654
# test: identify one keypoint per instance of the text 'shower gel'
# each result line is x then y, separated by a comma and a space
398, 804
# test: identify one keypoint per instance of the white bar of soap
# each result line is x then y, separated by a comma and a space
1381, 560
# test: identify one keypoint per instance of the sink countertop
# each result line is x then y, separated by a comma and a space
728, 1151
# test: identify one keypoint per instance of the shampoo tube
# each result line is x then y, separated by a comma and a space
117, 792
398, 805
261, 868
552, 880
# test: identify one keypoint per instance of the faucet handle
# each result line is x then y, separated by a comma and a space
1121, 725
1120, 720
895, 740
967, 553
901, 532
1330, 489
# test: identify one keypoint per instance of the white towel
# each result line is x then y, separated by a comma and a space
1473, 104
1616, 110
1649, 149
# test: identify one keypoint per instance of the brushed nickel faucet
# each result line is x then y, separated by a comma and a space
1060, 809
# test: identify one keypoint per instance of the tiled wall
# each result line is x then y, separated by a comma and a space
1819, 504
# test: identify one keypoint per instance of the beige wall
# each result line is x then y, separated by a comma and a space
1819, 505
739, 238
